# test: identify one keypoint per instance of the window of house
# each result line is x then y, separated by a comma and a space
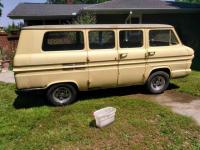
162, 38
101, 39
63, 41
131, 38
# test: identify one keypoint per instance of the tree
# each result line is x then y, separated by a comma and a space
89, 1
55, 1
1, 6
85, 18
189, 1
76, 1
13, 27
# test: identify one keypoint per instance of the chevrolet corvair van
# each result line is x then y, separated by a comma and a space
65, 59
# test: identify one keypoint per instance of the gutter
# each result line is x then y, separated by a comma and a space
147, 10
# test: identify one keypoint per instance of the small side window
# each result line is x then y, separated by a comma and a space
162, 38
63, 41
101, 39
131, 39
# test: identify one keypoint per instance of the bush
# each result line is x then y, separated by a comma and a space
85, 18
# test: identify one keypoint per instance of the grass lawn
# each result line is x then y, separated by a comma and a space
140, 124
189, 84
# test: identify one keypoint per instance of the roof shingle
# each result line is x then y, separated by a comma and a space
31, 10
24, 10
141, 4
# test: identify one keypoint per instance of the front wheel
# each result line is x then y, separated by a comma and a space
158, 82
61, 94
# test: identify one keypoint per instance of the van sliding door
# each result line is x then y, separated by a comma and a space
102, 58
132, 62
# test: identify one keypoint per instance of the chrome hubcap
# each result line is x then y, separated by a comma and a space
62, 94
158, 83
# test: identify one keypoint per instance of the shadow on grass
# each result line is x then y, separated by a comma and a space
38, 100
30, 100
123, 91
92, 124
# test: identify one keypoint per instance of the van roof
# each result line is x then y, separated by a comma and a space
97, 26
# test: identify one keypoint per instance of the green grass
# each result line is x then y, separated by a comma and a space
26, 123
189, 84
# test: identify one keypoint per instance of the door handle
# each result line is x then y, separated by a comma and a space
123, 55
151, 53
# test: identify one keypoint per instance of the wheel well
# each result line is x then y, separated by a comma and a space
71, 83
162, 69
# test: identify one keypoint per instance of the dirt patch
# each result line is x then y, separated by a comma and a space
180, 103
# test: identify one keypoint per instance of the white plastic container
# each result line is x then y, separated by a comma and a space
104, 116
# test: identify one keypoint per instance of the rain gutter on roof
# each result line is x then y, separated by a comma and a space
146, 10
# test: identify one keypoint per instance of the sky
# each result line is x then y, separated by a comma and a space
9, 5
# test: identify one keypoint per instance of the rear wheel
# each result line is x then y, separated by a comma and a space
62, 94
158, 82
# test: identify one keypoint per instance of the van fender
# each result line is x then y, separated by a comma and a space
63, 81
158, 68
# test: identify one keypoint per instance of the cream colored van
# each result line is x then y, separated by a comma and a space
65, 59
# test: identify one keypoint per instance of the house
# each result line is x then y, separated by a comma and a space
185, 17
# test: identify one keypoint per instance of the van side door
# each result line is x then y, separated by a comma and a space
102, 58
132, 62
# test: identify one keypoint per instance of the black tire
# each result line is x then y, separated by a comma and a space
61, 94
157, 82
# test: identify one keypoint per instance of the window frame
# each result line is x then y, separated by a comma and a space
143, 45
53, 51
170, 29
96, 30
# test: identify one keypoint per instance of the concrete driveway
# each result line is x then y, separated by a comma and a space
7, 77
181, 103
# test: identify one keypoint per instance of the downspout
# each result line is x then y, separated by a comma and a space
129, 18
126, 22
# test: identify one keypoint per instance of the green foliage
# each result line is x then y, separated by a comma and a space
76, 1
189, 84
1, 6
55, 1
90, 1
189, 1
85, 18
1, 55
6, 55
12, 27
27, 123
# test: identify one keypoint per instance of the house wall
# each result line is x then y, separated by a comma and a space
47, 22
8, 43
111, 19
4, 44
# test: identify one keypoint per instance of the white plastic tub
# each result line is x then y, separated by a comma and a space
104, 116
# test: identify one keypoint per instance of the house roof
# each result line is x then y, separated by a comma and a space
121, 5
97, 26
35, 10
38, 10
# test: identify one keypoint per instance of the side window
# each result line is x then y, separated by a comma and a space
131, 39
162, 38
101, 39
63, 41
